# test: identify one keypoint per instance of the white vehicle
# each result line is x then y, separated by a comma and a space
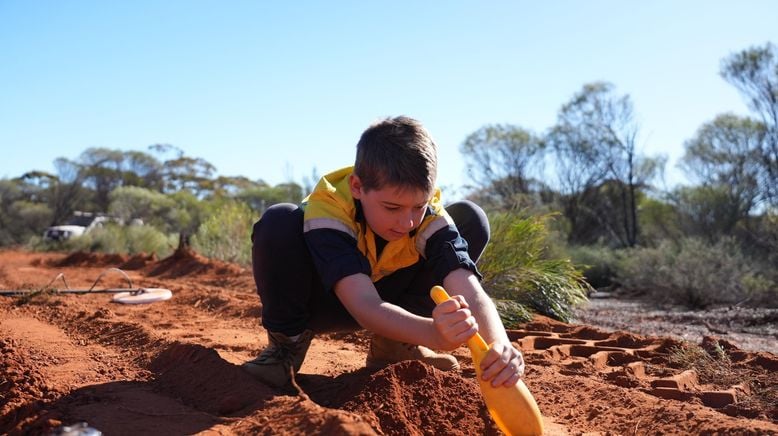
79, 224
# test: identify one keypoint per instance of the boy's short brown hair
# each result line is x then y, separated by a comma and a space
398, 152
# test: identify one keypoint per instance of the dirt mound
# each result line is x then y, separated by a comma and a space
81, 258
412, 398
185, 262
205, 381
138, 261
301, 416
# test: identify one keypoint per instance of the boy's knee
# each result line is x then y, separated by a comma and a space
275, 222
468, 216
473, 225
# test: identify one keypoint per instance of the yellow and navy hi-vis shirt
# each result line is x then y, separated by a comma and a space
341, 243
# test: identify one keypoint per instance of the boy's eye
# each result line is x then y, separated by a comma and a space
415, 208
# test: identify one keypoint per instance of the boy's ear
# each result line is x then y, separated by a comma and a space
356, 186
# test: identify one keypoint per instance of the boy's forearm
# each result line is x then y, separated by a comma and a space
465, 283
358, 295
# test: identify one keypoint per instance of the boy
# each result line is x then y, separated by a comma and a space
364, 250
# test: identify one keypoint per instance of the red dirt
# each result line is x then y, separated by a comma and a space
172, 367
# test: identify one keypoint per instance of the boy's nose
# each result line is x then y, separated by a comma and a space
408, 222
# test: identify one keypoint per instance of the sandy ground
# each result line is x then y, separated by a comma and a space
752, 329
172, 367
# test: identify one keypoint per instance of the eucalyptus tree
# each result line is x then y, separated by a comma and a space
725, 158
754, 72
143, 170
68, 192
102, 170
595, 141
501, 160
191, 174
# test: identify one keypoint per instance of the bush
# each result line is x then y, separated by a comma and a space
516, 267
696, 274
226, 235
125, 240
113, 239
597, 262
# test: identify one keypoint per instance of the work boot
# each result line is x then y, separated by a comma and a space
385, 352
273, 365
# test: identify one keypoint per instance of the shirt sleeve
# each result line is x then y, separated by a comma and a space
446, 250
335, 255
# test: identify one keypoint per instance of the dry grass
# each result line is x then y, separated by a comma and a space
713, 367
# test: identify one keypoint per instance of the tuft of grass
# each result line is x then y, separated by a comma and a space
714, 367
517, 267
512, 314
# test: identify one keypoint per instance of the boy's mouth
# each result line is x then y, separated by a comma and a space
397, 234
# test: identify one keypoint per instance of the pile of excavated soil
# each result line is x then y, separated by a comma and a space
172, 367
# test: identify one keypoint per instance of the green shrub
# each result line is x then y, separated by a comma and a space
113, 239
37, 243
658, 220
597, 262
226, 235
124, 240
696, 274
516, 267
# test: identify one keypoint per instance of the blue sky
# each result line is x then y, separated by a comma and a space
270, 90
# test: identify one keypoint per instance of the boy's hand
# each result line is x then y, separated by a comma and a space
503, 365
454, 322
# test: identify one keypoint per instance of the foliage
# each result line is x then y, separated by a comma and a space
102, 172
189, 211
152, 207
262, 196
500, 158
118, 239
226, 234
754, 72
31, 217
512, 314
706, 211
762, 238
598, 262
594, 146
658, 220
515, 267
696, 274
188, 174
725, 155
10, 194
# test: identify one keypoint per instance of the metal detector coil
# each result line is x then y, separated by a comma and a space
143, 296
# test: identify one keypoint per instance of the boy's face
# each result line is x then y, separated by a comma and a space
391, 212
